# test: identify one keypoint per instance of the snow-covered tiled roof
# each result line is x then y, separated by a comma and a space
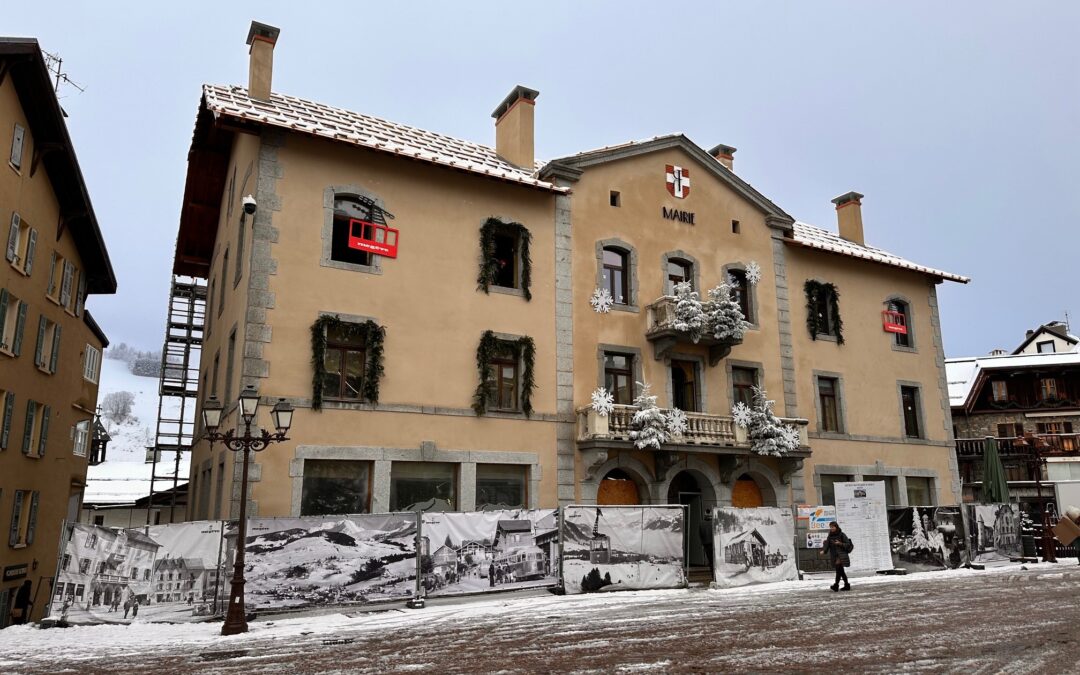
317, 119
962, 373
823, 240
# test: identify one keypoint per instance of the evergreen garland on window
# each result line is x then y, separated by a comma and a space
370, 332
489, 266
489, 347
815, 291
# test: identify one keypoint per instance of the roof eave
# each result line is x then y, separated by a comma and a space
937, 275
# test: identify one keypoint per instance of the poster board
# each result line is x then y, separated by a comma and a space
488, 551
753, 546
993, 533
330, 560
611, 548
1067, 493
861, 514
811, 529
924, 538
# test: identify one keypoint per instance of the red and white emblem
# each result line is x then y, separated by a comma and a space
678, 181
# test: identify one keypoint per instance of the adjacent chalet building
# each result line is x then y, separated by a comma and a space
440, 313
50, 346
1028, 403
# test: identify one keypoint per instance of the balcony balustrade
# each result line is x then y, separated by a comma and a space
663, 335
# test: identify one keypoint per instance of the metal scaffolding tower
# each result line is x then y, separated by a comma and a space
179, 383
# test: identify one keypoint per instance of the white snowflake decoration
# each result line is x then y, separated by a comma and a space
790, 435
753, 273
676, 422
603, 402
740, 412
601, 301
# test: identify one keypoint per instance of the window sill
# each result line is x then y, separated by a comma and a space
632, 309
7, 352
18, 546
16, 169
373, 268
53, 300
504, 290
18, 268
842, 435
902, 348
45, 370
825, 337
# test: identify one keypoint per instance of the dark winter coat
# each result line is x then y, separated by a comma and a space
837, 547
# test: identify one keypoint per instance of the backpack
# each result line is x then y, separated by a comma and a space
850, 545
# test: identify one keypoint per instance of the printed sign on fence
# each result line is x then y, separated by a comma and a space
488, 551
820, 517
330, 560
927, 537
816, 539
860, 513
609, 548
753, 546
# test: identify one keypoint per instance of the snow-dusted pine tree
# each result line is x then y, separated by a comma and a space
650, 423
689, 311
767, 434
724, 317
918, 532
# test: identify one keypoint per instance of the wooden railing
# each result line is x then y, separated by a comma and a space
702, 428
1047, 444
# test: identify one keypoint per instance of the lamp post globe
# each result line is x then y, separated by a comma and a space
211, 413
249, 404
282, 414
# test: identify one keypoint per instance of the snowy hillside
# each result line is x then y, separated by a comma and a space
125, 475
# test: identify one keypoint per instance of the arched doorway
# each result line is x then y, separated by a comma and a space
685, 489
746, 493
617, 488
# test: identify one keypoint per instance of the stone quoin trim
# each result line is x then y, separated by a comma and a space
566, 427
943, 387
783, 322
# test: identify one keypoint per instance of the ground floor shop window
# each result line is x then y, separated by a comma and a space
828, 494
501, 485
890, 488
335, 487
426, 486
920, 491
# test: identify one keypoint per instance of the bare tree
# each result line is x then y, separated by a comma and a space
117, 405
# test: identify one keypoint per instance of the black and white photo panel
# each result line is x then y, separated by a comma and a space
993, 533
488, 551
926, 538
165, 573
753, 546
330, 560
611, 548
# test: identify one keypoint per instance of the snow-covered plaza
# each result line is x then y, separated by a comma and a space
1014, 619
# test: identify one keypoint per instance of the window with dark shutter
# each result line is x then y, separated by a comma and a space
55, 355
20, 323
12, 251
31, 519
31, 246
65, 284
18, 140
28, 426
5, 421
16, 518
44, 439
39, 350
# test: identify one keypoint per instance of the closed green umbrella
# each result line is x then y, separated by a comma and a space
995, 486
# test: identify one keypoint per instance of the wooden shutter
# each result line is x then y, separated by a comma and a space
31, 246
18, 139
65, 285
52, 275
39, 350
5, 423
20, 323
3, 314
44, 430
31, 518
54, 357
1068, 427
13, 238
16, 516
28, 426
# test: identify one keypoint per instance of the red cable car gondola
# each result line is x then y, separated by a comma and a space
372, 237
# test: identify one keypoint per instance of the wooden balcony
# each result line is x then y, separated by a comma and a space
664, 337
1049, 445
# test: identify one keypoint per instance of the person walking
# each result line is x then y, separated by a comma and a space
127, 606
135, 608
491, 575
20, 611
837, 546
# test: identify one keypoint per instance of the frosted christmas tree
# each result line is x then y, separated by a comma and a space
767, 433
918, 539
650, 423
724, 317
690, 315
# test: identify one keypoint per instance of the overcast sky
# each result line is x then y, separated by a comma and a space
958, 121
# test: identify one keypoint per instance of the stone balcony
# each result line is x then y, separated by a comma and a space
705, 433
661, 332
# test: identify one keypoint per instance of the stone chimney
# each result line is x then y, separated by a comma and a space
262, 39
725, 154
514, 127
849, 217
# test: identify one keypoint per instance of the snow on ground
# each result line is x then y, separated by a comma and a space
564, 622
125, 475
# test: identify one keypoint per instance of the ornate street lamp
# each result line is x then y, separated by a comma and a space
235, 621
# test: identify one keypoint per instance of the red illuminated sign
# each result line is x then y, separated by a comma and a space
373, 238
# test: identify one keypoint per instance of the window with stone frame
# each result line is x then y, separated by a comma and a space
743, 381
423, 485
740, 293
501, 485
348, 209
335, 487
829, 404
900, 307
619, 377
503, 378
616, 274
678, 271
344, 363
909, 401
507, 258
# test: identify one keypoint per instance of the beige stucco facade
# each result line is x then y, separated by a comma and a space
48, 390
427, 300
